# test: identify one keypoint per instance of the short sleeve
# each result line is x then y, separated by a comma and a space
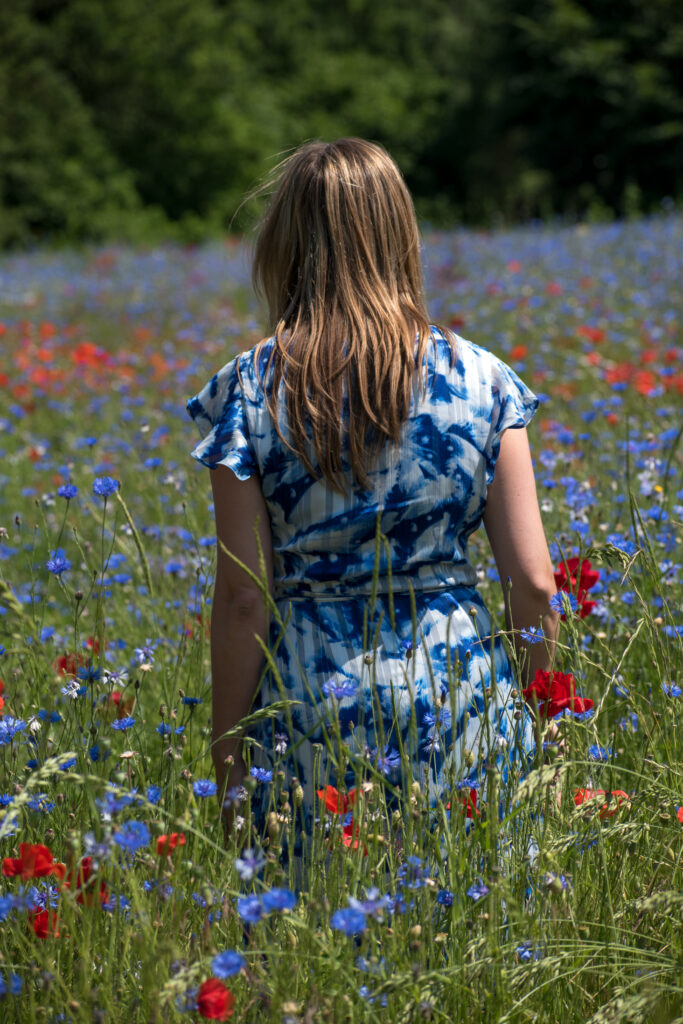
220, 413
513, 406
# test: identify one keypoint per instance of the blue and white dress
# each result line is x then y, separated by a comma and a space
408, 671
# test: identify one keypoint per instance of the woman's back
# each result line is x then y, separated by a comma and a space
429, 490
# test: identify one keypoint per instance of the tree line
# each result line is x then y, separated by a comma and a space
136, 120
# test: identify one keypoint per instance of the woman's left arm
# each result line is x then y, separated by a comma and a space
238, 615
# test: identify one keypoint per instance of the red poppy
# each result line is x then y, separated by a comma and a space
336, 802
611, 805
350, 838
86, 893
2, 699
679, 814
167, 844
69, 664
44, 922
123, 707
578, 580
594, 334
556, 694
35, 861
469, 802
214, 1000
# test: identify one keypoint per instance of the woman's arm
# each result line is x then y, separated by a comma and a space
238, 614
513, 525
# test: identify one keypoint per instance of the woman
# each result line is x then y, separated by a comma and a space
363, 442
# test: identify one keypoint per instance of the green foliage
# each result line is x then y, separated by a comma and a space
126, 119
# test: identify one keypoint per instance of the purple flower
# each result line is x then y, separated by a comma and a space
249, 864
387, 761
57, 563
349, 921
204, 787
345, 688
478, 890
105, 486
67, 491
224, 965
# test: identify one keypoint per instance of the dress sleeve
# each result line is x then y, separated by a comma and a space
513, 405
219, 412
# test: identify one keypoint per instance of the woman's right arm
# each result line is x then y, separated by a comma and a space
512, 520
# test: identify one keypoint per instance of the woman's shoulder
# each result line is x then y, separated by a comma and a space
465, 357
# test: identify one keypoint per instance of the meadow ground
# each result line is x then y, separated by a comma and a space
559, 901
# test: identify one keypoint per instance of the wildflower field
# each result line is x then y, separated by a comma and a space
558, 900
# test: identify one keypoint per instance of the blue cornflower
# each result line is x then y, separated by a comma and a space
164, 729
204, 787
278, 899
114, 901
57, 563
526, 952
105, 486
144, 655
261, 774
478, 890
444, 718
533, 635
9, 727
122, 724
46, 633
563, 601
444, 897
14, 987
65, 766
387, 761
6, 907
88, 674
67, 491
672, 690
224, 965
250, 909
249, 864
94, 753
153, 794
350, 921
364, 993
373, 904
414, 873
629, 722
598, 753
345, 688
192, 701
132, 835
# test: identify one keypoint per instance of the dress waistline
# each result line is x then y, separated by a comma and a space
401, 583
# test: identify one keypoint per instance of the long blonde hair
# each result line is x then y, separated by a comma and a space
337, 260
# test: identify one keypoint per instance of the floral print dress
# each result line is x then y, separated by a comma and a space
402, 671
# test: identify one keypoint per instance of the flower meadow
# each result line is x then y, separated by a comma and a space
558, 898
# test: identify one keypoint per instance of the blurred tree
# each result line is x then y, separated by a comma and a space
124, 116
58, 177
